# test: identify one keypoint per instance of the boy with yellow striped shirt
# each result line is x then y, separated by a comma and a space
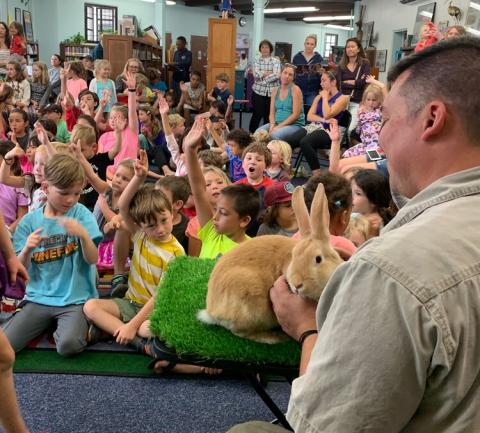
147, 214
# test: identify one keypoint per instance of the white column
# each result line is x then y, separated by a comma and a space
258, 19
160, 20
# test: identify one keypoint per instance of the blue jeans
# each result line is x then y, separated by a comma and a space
284, 133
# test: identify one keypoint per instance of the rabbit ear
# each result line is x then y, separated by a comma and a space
301, 212
319, 215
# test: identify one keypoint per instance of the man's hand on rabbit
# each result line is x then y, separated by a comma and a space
295, 313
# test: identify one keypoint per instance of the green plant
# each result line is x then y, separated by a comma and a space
78, 38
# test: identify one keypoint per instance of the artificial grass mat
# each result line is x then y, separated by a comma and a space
88, 362
182, 293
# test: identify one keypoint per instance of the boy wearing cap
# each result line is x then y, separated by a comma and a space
279, 217
55, 112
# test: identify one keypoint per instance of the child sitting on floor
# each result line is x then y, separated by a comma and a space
279, 218
177, 190
147, 214
279, 168
58, 245
237, 205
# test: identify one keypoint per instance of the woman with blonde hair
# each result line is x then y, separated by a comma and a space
308, 63
132, 65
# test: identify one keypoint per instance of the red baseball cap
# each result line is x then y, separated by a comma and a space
279, 192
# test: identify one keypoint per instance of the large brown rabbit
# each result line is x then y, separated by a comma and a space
238, 290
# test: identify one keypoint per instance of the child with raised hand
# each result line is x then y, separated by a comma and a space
102, 82
99, 161
147, 214
14, 202
215, 181
237, 205
152, 139
128, 117
58, 245
21, 87
30, 182
173, 147
279, 168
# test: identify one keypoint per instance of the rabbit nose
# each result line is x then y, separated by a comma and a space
299, 286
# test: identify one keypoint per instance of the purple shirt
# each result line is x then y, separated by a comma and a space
236, 169
12, 198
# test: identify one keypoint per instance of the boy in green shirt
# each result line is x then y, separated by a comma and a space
55, 112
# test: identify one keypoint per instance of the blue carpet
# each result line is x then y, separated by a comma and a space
98, 404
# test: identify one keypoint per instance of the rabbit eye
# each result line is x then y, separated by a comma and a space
318, 259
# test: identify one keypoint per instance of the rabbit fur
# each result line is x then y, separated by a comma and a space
238, 289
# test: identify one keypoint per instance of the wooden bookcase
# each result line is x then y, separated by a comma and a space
74, 52
118, 49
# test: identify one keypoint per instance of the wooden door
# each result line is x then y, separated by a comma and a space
199, 48
222, 39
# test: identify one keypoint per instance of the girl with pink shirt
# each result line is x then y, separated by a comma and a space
129, 134
75, 79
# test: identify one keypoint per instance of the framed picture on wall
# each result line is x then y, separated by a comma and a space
18, 15
27, 26
425, 13
381, 60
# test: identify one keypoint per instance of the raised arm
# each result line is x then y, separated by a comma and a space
98, 184
334, 156
195, 176
131, 84
141, 170
6, 176
118, 126
371, 80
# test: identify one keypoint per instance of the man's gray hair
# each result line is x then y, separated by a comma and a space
448, 70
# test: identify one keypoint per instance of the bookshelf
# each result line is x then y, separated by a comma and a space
118, 49
32, 52
73, 52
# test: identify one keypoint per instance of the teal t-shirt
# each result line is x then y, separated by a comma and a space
284, 108
214, 243
59, 275
62, 132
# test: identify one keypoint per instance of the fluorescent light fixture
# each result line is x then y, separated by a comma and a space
170, 3
334, 26
290, 10
330, 18
474, 5
473, 31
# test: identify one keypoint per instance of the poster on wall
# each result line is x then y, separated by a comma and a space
27, 26
425, 13
18, 15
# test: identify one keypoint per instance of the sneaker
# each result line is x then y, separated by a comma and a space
119, 286
95, 335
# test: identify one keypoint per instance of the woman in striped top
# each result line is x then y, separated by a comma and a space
4, 49
266, 71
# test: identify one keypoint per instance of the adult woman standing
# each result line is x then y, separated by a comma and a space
308, 64
4, 48
354, 68
329, 104
266, 72
56, 62
133, 66
286, 107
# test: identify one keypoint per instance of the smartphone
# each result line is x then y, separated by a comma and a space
373, 155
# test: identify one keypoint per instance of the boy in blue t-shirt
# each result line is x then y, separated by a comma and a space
220, 92
58, 243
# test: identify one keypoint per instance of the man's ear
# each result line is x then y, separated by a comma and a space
435, 120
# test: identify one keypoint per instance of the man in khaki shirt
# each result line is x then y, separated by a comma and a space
398, 347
